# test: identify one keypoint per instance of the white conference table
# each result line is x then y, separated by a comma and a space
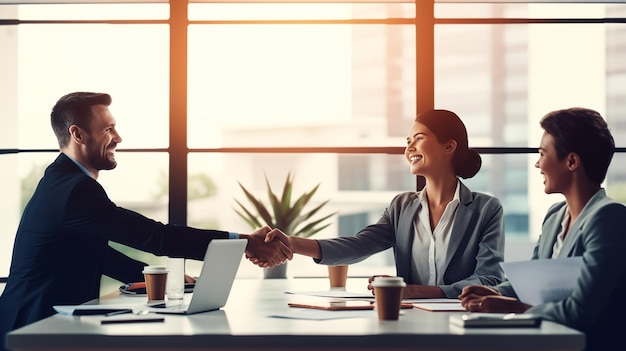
244, 324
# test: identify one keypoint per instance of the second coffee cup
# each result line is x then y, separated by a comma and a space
156, 281
388, 294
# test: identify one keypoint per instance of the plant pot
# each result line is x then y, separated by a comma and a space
277, 272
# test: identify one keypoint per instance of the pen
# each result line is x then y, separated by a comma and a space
115, 313
134, 320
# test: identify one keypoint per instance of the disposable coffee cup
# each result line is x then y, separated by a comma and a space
337, 276
388, 294
156, 282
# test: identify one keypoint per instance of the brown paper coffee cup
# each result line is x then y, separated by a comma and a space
388, 294
156, 282
337, 276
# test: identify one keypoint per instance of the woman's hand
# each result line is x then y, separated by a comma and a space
495, 304
371, 279
480, 298
471, 292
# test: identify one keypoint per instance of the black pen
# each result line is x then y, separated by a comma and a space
119, 312
133, 320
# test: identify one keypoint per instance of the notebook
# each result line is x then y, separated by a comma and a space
221, 262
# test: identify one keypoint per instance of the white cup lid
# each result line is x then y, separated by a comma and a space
155, 269
388, 281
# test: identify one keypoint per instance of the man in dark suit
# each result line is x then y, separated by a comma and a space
61, 246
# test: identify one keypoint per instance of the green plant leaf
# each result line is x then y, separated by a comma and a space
276, 205
302, 201
260, 207
314, 211
249, 218
310, 232
311, 226
305, 217
286, 216
287, 189
248, 214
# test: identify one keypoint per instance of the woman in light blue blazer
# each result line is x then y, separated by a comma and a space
575, 152
443, 237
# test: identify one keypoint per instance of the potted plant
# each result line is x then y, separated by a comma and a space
283, 213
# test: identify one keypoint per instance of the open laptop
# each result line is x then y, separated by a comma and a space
221, 262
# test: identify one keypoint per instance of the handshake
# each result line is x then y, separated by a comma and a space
268, 247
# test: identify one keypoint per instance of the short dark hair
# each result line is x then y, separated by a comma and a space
74, 108
584, 132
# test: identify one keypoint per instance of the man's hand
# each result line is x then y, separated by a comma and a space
302, 246
267, 254
269, 237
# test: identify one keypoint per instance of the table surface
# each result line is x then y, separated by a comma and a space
245, 322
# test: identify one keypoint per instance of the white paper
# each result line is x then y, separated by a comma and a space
543, 280
332, 293
320, 315
440, 307
433, 300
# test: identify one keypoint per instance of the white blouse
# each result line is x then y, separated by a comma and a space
430, 247
558, 244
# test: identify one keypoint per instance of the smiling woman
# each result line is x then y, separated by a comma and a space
444, 237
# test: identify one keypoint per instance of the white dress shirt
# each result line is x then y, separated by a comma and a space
430, 247
560, 239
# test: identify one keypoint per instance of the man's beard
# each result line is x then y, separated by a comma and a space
104, 163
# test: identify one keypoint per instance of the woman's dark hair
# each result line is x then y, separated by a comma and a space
446, 125
74, 108
584, 132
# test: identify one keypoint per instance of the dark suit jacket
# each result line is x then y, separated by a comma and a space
61, 246
474, 253
596, 306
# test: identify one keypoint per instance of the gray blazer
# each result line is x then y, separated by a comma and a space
474, 253
596, 306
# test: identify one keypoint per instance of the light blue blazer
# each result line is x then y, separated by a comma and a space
596, 306
474, 253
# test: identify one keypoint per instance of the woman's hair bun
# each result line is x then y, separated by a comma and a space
468, 166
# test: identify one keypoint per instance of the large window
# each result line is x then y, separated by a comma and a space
210, 94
